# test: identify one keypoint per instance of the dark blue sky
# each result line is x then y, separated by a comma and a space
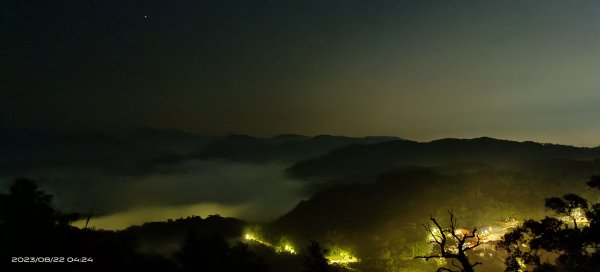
525, 70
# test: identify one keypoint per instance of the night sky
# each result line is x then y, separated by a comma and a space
524, 70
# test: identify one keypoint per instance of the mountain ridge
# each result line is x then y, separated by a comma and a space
378, 157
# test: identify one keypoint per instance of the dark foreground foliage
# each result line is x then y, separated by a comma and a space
567, 241
31, 228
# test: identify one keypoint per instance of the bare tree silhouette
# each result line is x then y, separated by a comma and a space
453, 244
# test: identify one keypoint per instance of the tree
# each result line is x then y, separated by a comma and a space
525, 243
27, 219
213, 253
594, 182
240, 258
453, 245
572, 236
315, 261
570, 205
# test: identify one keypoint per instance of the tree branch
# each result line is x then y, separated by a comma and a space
446, 269
459, 238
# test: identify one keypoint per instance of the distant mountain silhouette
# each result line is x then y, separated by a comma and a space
28, 151
167, 141
140, 151
286, 148
364, 159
